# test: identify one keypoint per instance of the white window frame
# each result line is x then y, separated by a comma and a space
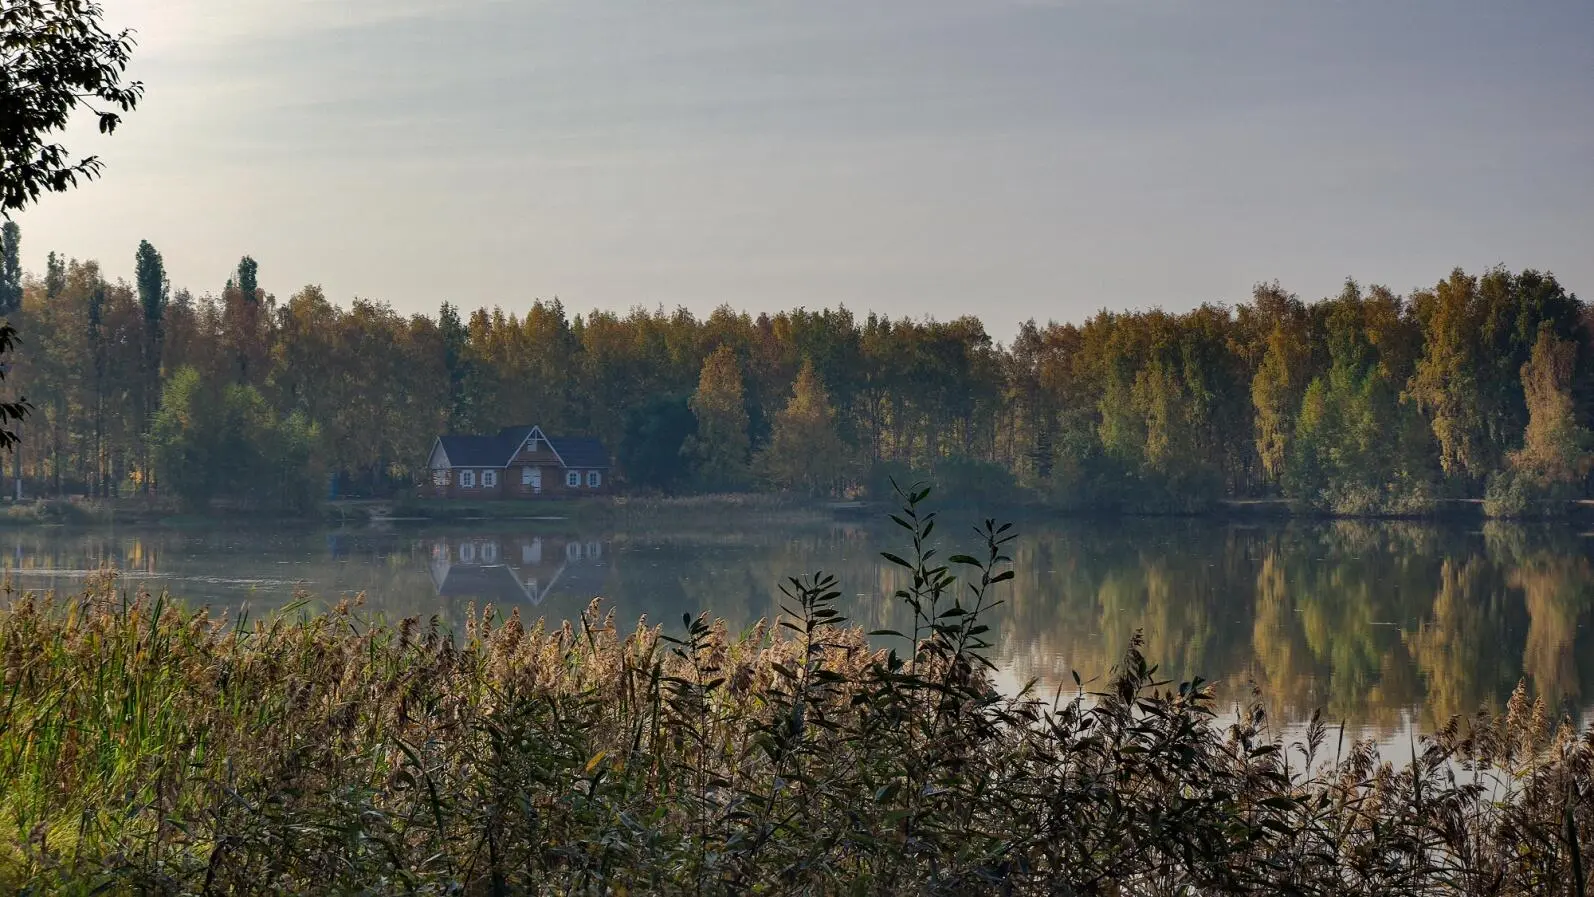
440, 476
489, 479
573, 479
525, 476
467, 479
594, 479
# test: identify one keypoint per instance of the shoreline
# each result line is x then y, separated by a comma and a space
79, 512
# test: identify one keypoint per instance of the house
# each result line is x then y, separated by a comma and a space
510, 572
519, 462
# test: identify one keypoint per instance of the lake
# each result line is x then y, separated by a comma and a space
1388, 626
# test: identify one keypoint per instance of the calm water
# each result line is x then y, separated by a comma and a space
1386, 625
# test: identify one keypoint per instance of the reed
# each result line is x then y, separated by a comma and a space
148, 748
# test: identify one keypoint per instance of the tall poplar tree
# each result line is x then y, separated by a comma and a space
54, 277
245, 322
149, 274
10, 269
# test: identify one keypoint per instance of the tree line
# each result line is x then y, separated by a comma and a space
1480, 386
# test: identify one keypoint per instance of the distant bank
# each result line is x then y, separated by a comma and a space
701, 509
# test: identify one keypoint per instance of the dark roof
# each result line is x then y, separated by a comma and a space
495, 451
578, 451
476, 451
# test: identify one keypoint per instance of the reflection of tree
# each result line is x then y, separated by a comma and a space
1331, 603
1464, 649
1287, 670
1556, 581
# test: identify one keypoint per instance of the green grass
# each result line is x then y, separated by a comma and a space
149, 749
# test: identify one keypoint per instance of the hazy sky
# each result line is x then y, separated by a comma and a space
1010, 158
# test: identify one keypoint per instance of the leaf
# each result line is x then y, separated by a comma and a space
596, 759
896, 560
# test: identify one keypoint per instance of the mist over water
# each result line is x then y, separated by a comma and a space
1384, 625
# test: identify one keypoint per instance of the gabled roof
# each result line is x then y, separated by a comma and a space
499, 450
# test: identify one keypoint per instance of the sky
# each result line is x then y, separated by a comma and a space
1011, 159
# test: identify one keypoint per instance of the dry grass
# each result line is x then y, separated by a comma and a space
149, 749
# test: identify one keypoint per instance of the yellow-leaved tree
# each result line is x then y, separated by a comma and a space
805, 453
722, 442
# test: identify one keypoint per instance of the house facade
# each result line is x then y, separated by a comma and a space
519, 462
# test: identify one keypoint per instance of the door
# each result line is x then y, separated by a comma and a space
536, 481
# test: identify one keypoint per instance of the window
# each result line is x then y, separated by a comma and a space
525, 476
440, 476
594, 479
489, 478
573, 479
467, 478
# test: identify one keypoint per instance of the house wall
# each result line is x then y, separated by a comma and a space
455, 490
554, 484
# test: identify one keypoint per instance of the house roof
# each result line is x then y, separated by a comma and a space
499, 450
476, 451
496, 583
578, 451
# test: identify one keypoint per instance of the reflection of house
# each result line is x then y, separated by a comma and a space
517, 570
519, 462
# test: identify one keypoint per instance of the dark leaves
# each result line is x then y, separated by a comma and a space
55, 57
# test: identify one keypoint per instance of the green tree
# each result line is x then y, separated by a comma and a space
720, 446
246, 323
224, 441
462, 378
650, 451
182, 438
804, 451
149, 274
55, 57
1276, 390
54, 277
10, 269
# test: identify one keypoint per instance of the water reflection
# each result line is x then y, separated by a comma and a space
1378, 623
511, 571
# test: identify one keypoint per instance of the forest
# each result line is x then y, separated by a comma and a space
1369, 402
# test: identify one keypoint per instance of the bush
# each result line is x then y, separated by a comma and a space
1511, 494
